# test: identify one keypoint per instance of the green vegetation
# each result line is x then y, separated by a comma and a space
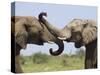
39, 58
40, 62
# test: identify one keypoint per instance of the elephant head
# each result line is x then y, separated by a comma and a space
82, 32
29, 30
79, 31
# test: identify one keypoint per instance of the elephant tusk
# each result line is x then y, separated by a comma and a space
61, 38
50, 42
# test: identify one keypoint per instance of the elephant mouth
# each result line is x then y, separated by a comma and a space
78, 44
68, 40
40, 43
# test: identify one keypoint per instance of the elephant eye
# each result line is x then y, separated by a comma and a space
40, 32
26, 27
72, 29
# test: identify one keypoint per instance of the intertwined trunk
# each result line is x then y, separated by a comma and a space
55, 32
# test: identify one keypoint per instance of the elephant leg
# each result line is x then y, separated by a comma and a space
95, 65
94, 58
88, 57
88, 63
91, 56
18, 68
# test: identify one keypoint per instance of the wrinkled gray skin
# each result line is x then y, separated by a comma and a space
29, 30
82, 33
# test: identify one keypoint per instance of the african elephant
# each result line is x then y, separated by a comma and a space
82, 33
29, 30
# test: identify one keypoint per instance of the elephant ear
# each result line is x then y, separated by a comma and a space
89, 33
21, 34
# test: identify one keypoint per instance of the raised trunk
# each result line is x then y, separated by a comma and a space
55, 32
61, 34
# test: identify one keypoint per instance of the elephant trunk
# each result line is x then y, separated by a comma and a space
61, 34
60, 50
55, 32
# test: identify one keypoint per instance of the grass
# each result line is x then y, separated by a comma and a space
58, 63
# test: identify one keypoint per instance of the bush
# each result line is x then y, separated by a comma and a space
74, 55
39, 58
64, 62
22, 60
65, 55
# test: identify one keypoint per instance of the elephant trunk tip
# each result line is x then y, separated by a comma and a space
56, 53
42, 14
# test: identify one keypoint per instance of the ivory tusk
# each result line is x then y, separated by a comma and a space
61, 38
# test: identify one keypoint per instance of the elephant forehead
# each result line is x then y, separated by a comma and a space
75, 26
75, 22
32, 20
34, 23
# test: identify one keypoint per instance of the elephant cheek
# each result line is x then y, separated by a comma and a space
21, 41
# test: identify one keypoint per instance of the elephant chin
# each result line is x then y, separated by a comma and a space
78, 45
40, 43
